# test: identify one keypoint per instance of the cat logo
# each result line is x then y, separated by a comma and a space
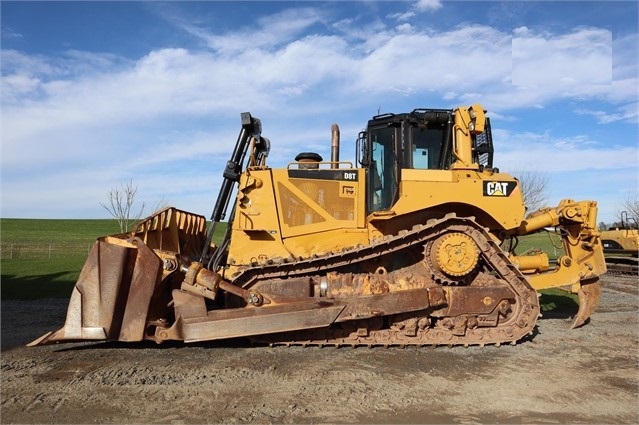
501, 189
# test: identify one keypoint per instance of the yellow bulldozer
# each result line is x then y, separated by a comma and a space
621, 246
404, 247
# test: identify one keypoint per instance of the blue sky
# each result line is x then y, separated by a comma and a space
95, 94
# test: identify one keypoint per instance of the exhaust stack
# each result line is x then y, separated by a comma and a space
334, 146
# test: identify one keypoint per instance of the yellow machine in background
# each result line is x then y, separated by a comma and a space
401, 248
622, 239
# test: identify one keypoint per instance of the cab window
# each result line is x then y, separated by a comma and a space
426, 147
382, 170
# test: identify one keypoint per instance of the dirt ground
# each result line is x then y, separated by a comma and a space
588, 375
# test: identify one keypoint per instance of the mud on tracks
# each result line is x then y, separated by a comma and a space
588, 375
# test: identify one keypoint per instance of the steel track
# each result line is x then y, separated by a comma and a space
623, 271
393, 330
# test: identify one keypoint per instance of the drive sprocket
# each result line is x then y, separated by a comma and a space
452, 257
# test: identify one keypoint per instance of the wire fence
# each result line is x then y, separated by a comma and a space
42, 250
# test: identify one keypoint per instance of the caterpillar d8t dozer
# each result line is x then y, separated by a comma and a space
404, 247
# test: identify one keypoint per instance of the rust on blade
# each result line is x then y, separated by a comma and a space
111, 297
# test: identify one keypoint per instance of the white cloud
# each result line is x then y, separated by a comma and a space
418, 7
9, 33
394, 65
82, 122
629, 113
577, 167
542, 151
267, 33
428, 5
581, 57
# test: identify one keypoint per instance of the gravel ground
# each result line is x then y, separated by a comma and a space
587, 375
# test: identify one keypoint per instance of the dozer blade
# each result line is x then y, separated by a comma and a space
110, 300
589, 295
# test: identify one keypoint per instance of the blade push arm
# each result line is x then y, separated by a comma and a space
251, 130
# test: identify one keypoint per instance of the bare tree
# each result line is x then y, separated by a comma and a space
630, 204
120, 205
534, 188
162, 203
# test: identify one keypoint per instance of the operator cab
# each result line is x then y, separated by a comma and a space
421, 139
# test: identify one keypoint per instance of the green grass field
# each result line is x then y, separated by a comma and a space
43, 258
